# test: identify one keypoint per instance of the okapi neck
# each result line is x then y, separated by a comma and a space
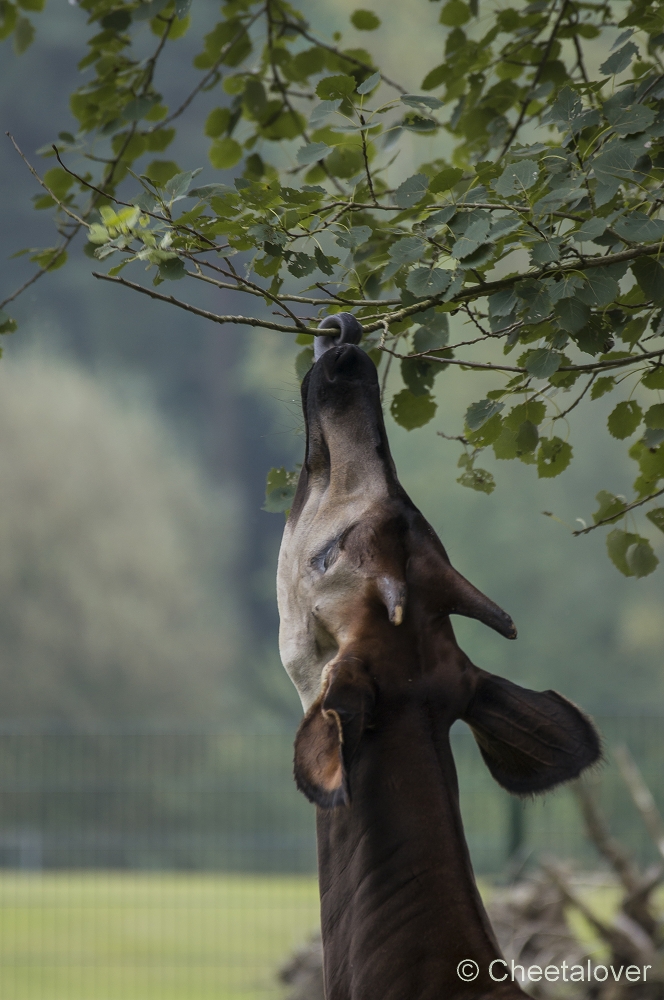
399, 905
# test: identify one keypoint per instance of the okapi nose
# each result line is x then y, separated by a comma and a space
350, 332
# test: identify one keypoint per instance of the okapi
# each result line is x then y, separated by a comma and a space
365, 591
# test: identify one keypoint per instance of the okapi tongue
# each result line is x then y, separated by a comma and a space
469, 601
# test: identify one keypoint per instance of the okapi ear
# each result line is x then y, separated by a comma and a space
530, 740
330, 733
469, 601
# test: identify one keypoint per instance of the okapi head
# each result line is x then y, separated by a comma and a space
365, 592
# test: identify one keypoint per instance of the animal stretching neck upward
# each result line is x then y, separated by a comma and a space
365, 592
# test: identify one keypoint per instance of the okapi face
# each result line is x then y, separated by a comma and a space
365, 592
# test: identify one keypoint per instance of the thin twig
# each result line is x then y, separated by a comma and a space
616, 517
366, 164
59, 203
641, 796
536, 80
578, 399
600, 835
214, 317
209, 75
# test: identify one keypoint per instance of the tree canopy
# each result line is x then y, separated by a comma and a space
537, 224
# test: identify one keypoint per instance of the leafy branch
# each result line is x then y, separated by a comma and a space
548, 249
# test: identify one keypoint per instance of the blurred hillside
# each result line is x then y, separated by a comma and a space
213, 405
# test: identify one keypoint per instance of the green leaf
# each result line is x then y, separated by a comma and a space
474, 237
312, 152
301, 264
553, 457
654, 379
435, 77
517, 178
544, 251
589, 230
639, 228
418, 375
641, 559
624, 419
478, 413
58, 181
418, 123
533, 410
477, 479
610, 169
610, 507
600, 288
411, 191
454, 13
280, 490
445, 180
422, 101
354, 238
176, 187
50, 259
654, 417
527, 438
620, 60
217, 122
7, 19
325, 264
656, 516
332, 87
225, 153
543, 362
434, 333
160, 171
364, 20
412, 411
7, 324
323, 111
424, 281
407, 250
24, 34
617, 544
650, 276
369, 84
572, 314
172, 269
568, 112
629, 120
602, 386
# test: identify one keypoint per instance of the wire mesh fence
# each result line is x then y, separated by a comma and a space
181, 866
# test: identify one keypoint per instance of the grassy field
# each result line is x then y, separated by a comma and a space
164, 936
116, 936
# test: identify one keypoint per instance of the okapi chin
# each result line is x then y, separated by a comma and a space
365, 591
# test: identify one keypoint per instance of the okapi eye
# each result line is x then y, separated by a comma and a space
326, 557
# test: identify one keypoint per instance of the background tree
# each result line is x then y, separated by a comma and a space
112, 545
536, 224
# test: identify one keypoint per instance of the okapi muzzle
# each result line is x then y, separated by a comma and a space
365, 591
